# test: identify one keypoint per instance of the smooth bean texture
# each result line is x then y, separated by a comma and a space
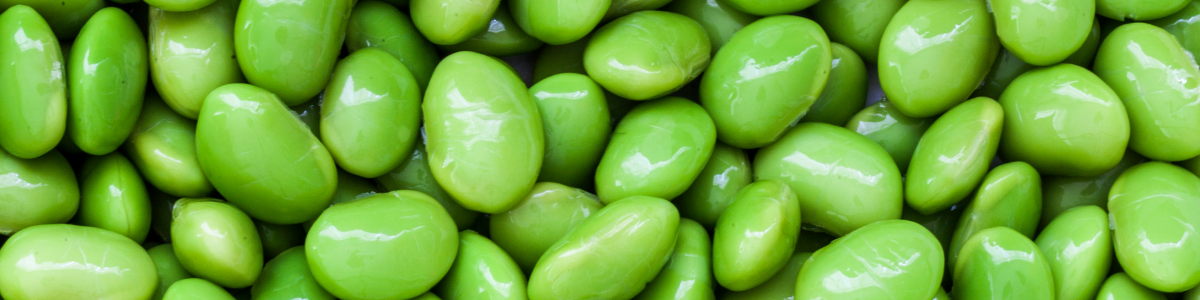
802, 158
1076, 245
912, 252
577, 126
448, 22
216, 241
415, 174
114, 197
610, 255
970, 132
290, 48
287, 181
1154, 77
106, 80
845, 92
484, 132
647, 55
924, 78
163, 147
388, 224
755, 235
557, 22
192, 53
1001, 263
33, 96
1043, 33
1087, 133
1154, 204
168, 267
49, 193
799, 69
657, 150
46, 262
371, 115
482, 271
719, 20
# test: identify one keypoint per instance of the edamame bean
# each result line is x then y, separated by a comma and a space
287, 181
647, 55
688, 274
106, 78
858, 24
414, 174
576, 123
1138, 10
61, 261
163, 147
803, 159
168, 267
448, 22
610, 255
1185, 26
216, 241
657, 150
1154, 204
970, 133
844, 93
1120, 286
377, 24
502, 38
45, 191
1078, 247
934, 53
485, 136
290, 48
1155, 78
64, 17
482, 271
388, 224
371, 115
897, 133
1010, 196
547, 214
557, 22
719, 20
287, 277
196, 289
1043, 33
113, 197
782, 286
1001, 263
799, 68
727, 171
912, 254
191, 53
1087, 129
33, 97
755, 235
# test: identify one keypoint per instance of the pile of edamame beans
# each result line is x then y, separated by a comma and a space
599, 149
